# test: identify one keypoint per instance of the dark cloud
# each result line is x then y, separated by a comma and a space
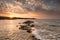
2, 6
22, 1
39, 4
58, 1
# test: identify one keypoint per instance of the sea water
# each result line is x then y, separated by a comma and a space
49, 29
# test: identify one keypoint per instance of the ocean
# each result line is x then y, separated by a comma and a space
49, 29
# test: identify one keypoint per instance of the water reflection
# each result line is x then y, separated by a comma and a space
11, 27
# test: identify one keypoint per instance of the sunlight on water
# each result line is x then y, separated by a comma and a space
11, 27
8, 26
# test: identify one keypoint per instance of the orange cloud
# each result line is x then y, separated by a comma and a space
14, 9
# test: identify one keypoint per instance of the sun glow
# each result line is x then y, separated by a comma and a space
31, 15
10, 15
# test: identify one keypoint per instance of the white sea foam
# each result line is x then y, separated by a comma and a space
35, 32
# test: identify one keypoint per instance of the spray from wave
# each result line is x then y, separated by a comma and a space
35, 33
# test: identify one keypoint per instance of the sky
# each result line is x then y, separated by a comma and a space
41, 9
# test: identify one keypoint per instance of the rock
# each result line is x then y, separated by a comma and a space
25, 27
28, 22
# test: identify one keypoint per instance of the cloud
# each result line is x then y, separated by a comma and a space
58, 1
33, 5
47, 7
41, 8
10, 6
2, 6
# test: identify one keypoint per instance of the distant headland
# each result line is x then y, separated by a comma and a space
3, 17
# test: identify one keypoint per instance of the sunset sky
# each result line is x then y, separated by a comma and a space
41, 9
